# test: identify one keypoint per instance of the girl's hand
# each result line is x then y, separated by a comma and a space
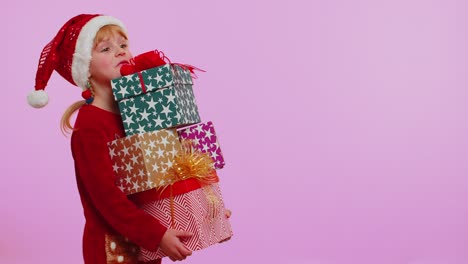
228, 214
172, 247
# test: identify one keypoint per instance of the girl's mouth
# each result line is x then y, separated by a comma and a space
122, 63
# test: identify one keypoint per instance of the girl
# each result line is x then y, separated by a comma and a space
88, 51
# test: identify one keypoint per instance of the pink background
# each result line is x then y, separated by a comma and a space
343, 125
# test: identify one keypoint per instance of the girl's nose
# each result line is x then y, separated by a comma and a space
120, 52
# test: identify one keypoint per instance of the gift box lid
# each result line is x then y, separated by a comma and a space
149, 80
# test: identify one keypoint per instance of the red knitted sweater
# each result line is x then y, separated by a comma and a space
107, 210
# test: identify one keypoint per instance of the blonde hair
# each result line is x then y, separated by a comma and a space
103, 33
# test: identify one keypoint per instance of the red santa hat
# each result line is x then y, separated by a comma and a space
69, 53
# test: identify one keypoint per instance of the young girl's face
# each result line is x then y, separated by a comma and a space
108, 56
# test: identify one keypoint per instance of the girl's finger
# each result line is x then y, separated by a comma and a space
228, 213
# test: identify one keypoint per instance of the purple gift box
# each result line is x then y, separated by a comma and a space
204, 137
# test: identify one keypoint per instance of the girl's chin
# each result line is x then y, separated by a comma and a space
115, 76
106, 81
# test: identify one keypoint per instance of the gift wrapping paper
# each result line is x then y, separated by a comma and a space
141, 161
131, 85
200, 211
165, 100
205, 140
166, 108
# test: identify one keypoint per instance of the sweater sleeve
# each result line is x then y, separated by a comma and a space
94, 167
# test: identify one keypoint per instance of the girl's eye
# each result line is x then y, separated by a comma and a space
105, 49
123, 46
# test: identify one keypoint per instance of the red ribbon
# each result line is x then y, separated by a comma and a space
152, 59
147, 60
143, 87
154, 194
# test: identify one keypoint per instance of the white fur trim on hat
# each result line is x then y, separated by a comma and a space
38, 98
84, 47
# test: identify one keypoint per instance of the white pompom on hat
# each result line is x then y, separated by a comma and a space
69, 54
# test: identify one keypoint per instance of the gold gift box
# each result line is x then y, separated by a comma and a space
141, 161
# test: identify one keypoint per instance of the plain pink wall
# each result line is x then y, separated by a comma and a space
343, 124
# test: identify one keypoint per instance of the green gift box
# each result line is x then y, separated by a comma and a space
155, 99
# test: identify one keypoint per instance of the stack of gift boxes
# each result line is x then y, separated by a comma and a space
160, 116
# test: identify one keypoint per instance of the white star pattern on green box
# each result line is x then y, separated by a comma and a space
169, 100
155, 78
